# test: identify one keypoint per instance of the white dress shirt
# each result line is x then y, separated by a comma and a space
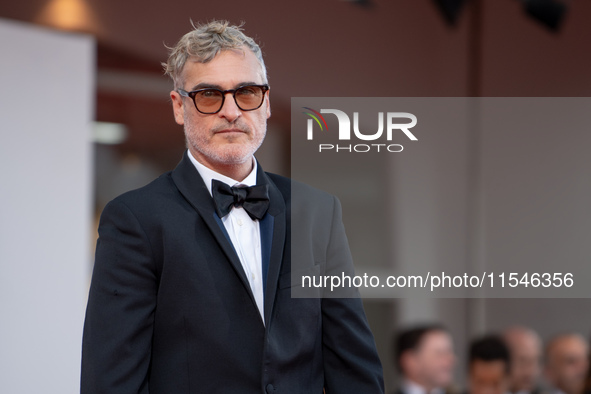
244, 232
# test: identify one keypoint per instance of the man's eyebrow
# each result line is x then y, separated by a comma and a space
205, 85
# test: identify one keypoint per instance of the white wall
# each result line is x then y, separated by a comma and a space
46, 104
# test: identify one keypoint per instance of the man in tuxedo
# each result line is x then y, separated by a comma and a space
425, 357
526, 355
191, 287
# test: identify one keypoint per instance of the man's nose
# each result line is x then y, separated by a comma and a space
230, 110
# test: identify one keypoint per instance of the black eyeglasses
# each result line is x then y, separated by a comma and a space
211, 101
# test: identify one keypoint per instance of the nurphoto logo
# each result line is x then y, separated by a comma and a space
393, 126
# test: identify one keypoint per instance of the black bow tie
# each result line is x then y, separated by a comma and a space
254, 199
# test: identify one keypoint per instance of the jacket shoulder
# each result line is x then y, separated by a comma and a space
149, 195
292, 190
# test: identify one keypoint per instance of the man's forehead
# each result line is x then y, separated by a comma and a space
436, 335
228, 69
490, 366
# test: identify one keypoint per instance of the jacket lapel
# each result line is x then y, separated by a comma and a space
191, 186
266, 228
273, 226
273, 234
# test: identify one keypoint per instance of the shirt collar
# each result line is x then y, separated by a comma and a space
208, 174
410, 387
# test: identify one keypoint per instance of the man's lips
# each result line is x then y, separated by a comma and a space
227, 131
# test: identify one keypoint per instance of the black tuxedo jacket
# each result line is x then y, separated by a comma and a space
170, 310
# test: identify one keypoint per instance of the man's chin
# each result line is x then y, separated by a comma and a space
227, 154
231, 138
231, 158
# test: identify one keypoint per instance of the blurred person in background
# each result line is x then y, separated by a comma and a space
525, 348
489, 366
587, 388
425, 358
566, 363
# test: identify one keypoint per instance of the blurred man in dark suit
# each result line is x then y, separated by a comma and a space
489, 366
526, 356
425, 358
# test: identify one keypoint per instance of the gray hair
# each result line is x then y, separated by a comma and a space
204, 43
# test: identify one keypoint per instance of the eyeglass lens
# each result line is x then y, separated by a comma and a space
247, 98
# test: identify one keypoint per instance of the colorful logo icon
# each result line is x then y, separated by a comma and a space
315, 116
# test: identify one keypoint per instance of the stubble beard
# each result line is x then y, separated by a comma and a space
229, 153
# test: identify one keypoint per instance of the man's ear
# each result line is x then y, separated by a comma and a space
408, 361
177, 107
268, 104
404, 361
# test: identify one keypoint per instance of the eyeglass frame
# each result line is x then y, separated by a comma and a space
193, 93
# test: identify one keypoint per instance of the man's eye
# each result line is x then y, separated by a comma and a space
247, 91
209, 93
